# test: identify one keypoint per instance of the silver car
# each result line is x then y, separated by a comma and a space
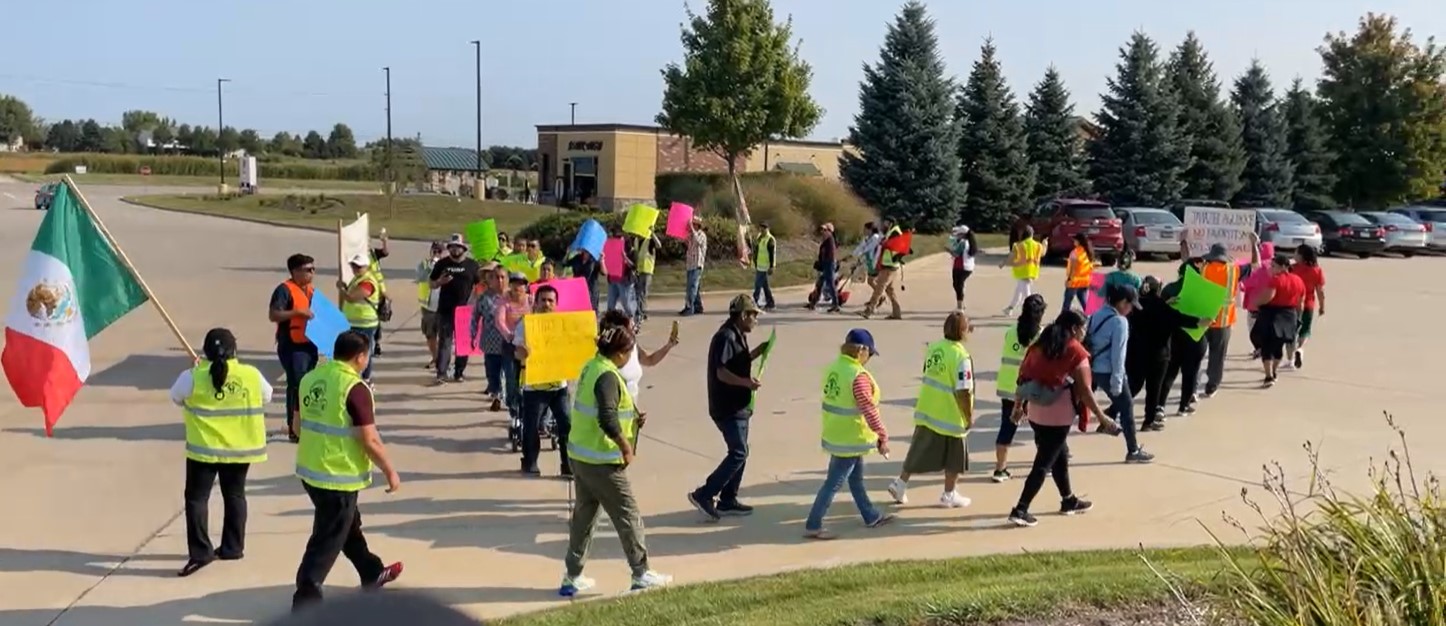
1433, 218
1404, 235
1287, 229
1150, 231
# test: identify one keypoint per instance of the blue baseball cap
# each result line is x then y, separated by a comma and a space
859, 336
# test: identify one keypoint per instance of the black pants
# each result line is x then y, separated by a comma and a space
726, 479
335, 530
1217, 344
297, 361
1051, 456
199, 479
960, 276
1147, 373
535, 405
1185, 357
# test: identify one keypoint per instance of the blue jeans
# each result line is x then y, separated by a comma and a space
1122, 409
761, 287
826, 287
1078, 293
535, 405
841, 469
493, 364
692, 294
372, 334
511, 373
620, 296
296, 361
724, 482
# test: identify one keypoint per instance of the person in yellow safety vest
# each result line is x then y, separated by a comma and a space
852, 428
1024, 259
360, 299
535, 259
600, 448
504, 247
375, 265
765, 258
1220, 269
1017, 339
645, 260
943, 414
427, 299
1078, 271
222, 402
890, 264
334, 459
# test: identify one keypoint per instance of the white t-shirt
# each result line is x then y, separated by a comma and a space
632, 374
965, 379
519, 339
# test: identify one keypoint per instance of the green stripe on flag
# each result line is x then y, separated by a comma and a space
104, 289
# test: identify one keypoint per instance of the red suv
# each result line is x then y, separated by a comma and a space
1058, 221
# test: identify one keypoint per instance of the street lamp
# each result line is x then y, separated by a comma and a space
391, 172
476, 185
220, 127
574, 112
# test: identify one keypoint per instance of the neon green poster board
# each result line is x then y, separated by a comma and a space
640, 220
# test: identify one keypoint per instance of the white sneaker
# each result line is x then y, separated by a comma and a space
899, 491
952, 500
573, 585
649, 580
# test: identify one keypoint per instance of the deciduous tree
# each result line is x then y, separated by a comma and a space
341, 143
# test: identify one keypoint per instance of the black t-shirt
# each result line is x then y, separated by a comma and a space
457, 292
586, 269
281, 301
729, 349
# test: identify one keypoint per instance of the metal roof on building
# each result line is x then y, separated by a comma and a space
453, 159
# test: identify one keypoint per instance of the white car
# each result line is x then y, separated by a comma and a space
1287, 229
1404, 236
1433, 218
1150, 231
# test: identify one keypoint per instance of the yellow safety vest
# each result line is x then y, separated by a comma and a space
845, 431
375, 267
889, 257
424, 287
363, 314
1033, 252
936, 408
762, 259
644, 258
329, 455
1012, 356
587, 443
226, 425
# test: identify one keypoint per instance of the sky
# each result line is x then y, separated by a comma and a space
297, 65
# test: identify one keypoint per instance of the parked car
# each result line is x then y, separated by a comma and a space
1433, 218
44, 195
1347, 232
1287, 229
1151, 231
1404, 236
1059, 220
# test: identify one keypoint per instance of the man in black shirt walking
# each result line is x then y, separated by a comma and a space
454, 275
730, 395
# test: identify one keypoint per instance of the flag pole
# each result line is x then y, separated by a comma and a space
340, 262
130, 267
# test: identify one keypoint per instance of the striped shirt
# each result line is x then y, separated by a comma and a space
864, 399
697, 250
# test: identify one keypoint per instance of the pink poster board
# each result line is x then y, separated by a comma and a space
678, 217
1095, 299
613, 253
572, 294
464, 344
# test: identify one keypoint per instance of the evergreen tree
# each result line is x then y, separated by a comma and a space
1213, 133
1267, 177
1312, 162
996, 172
1140, 155
906, 164
1056, 149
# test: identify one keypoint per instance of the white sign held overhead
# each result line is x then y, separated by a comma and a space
1205, 227
356, 239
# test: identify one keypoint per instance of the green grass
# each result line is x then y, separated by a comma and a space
907, 593
136, 180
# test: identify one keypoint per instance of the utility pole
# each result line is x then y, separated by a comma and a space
574, 112
477, 186
391, 175
220, 126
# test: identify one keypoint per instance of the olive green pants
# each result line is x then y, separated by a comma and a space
605, 487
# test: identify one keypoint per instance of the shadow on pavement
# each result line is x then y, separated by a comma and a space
147, 372
169, 431
42, 560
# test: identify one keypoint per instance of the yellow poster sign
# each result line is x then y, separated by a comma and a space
558, 345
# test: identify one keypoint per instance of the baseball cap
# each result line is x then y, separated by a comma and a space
458, 240
861, 337
359, 259
743, 303
1115, 293
1218, 252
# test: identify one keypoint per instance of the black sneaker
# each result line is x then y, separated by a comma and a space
1153, 427
1075, 506
734, 509
1299, 359
1186, 410
1001, 476
459, 378
1139, 456
706, 507
1022, 518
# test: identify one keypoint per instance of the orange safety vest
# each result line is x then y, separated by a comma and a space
300, 299
1083, 267
1228, 276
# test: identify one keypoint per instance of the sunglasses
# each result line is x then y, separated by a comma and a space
309, 269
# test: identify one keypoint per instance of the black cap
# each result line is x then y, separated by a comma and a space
1116, 293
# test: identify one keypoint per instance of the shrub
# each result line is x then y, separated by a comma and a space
792, 205
202, 166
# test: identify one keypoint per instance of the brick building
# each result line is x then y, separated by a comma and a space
612, 166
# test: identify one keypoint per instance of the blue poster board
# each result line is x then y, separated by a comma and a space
327, 322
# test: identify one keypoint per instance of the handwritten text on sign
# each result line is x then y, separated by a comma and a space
1205, 227
558, 345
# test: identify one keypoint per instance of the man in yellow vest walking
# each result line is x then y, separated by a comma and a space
360, 300
334, 459
1024, 259
765, 258
221, 400
943, 414
645, 260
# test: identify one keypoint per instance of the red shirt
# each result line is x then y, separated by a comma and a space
1313, 278
1289, 290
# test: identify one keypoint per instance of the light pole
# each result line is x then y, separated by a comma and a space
574, 112
391, 173
477, 185
220, 126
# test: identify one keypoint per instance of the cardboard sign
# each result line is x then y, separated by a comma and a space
679, 216
589, 237
612, 257
640, 220
762, 362
1205, 227
482, 237
558, 345
464, 343
356, 238
519, 263
327, 322
572, 293
1095, 298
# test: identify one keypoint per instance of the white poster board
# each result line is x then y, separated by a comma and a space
248, 171
356, 238
1205, 227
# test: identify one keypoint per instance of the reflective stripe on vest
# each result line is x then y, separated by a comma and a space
363, 314
763, 259
226, 425
1228, 276
845, 431
1013, 355
1032, 251
936, 408
587, 442
300, 299
328, 455
1083, 267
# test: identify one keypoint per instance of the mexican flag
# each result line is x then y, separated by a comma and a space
73, 287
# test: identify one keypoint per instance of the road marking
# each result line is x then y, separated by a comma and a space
11, 196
